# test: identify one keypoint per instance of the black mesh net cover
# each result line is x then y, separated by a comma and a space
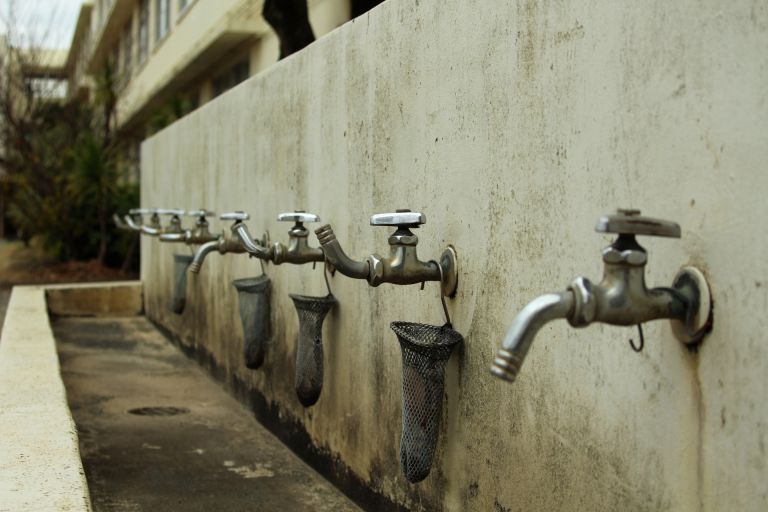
309, 346
425, 350
253, 297
179, 298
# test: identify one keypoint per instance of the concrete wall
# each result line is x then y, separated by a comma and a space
512, 127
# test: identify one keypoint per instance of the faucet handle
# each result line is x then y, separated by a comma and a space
170, 211
238, 215
400, 218
630, 222
298, 216
202, 212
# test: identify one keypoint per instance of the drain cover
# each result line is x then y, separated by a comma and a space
158, 411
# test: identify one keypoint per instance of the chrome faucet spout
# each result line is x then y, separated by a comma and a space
240, 230
336, 256
120, 223
150, 231
135, 221
131, 223
523, 330
202, 252
174, 237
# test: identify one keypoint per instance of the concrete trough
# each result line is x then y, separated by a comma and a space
92, 339
40, 465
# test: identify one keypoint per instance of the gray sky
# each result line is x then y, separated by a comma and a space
48, 23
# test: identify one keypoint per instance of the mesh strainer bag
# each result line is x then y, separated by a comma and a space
253, 296
309, 347
425, 349
179, 298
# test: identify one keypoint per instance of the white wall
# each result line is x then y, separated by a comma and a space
512, 126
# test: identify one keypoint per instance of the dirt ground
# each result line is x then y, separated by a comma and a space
28, 265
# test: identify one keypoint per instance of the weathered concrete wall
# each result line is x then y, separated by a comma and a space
512, 126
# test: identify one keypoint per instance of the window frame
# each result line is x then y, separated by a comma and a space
162, 19
143, 32
126, 42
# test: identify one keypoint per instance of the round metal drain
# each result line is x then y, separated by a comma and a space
159, 411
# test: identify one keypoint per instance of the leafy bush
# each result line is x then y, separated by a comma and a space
67, 190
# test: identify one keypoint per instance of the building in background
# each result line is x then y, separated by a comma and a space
171, 56
78, 82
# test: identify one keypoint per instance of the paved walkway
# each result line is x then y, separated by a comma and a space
194, 448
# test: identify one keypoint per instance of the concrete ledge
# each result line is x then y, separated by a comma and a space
95, 299
40, 467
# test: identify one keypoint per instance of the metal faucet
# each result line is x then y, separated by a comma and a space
403, 265
224, 244
621, 298
155, 227
120, 223
199, 235
135, 220
297, 251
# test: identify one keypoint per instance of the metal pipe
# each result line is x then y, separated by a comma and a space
251, 247
336, 256
201, 253
524, 327
131, 223
150, 231
174, 237
120, 223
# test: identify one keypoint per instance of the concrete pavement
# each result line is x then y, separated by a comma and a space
194, 449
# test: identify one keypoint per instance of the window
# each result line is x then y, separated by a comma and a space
233, 76
162, 18
143, 30
47, 88
104, 7
127, 48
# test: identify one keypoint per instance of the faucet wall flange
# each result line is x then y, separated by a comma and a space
449, 267
691, 283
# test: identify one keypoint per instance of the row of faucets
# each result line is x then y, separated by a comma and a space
621, 298
403, 265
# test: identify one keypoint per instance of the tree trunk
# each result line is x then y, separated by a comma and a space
102, 256
103, 231
128, 261
290, 21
